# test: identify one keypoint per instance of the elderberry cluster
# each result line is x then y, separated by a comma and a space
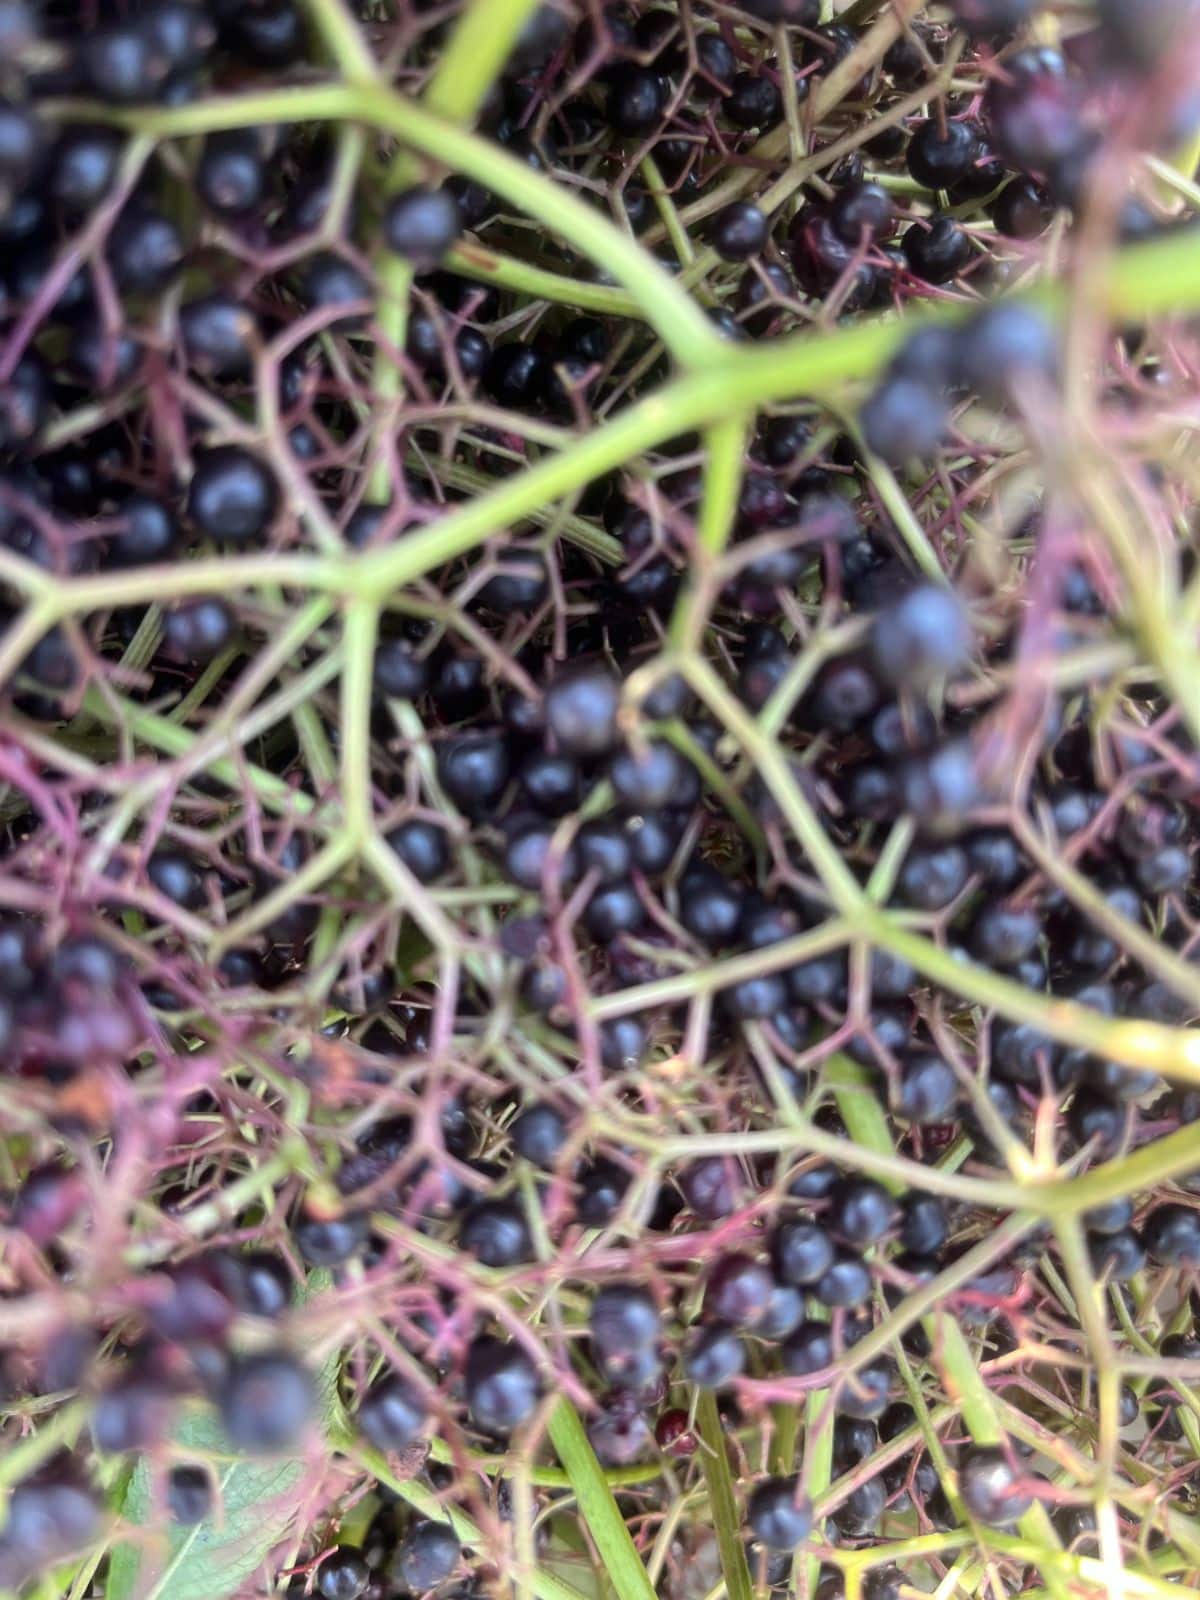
568, 949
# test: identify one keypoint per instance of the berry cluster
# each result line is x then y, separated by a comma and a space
598, 897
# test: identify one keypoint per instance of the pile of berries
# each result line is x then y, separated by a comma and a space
579, 959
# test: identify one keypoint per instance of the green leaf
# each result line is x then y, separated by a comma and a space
258, 1501
622, 1564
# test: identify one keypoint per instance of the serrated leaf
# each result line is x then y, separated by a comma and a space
258, 1501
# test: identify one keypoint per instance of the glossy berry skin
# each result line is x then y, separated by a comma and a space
473, 769
233, 495
1172, 1235
581, 712
231, 175
216, 331
426, 1558
266, 1400
864, 1394
714, 1357
496, 1233
624, 1324
189, 1495
753, 102
328, 1241
391, 1414
130, 1415
922, 637
502, 1385
652, 776
739, 231
84, 166
1117, 1256
933, 875
928, 1089
903, 420
399, 672
1003, 935
145, 251
737, 1291
940, 160
779, 1513
860, 1210
343, 1575
423, 847
847, 1283
420, 225
710, 905
198, 630
120, 65
259, 1283
989, 1487
148, 532
48, 1516
862, 212
924, 1226
636, 99
515, 376
176, 876
801, 1252
1034, 115
937, 251
1004, 346
1022, 209
539, 1134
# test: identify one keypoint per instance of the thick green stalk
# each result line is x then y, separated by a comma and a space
618, 1553
722, 1503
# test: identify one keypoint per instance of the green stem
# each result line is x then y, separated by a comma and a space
618, 1554
714, 1462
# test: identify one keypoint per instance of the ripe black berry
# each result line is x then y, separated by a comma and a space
266, 1400
990, 1487
737, 1291
847, 1282
121, 64
501, 1384
421, 225
739, 231
176, 876
428, 1555
423, 847
233, 495
860, 1210
231, 175
801, 1252
496, 1233
714, 1357
581, 711
539, 1133
189, 1495
753, 102
327, 1241
636, 99
940, 159
1006, 345
937, 250
391, 1414
927, 1090
922, 637
1172, 1235
343, 1575
473, 769
779, 1513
